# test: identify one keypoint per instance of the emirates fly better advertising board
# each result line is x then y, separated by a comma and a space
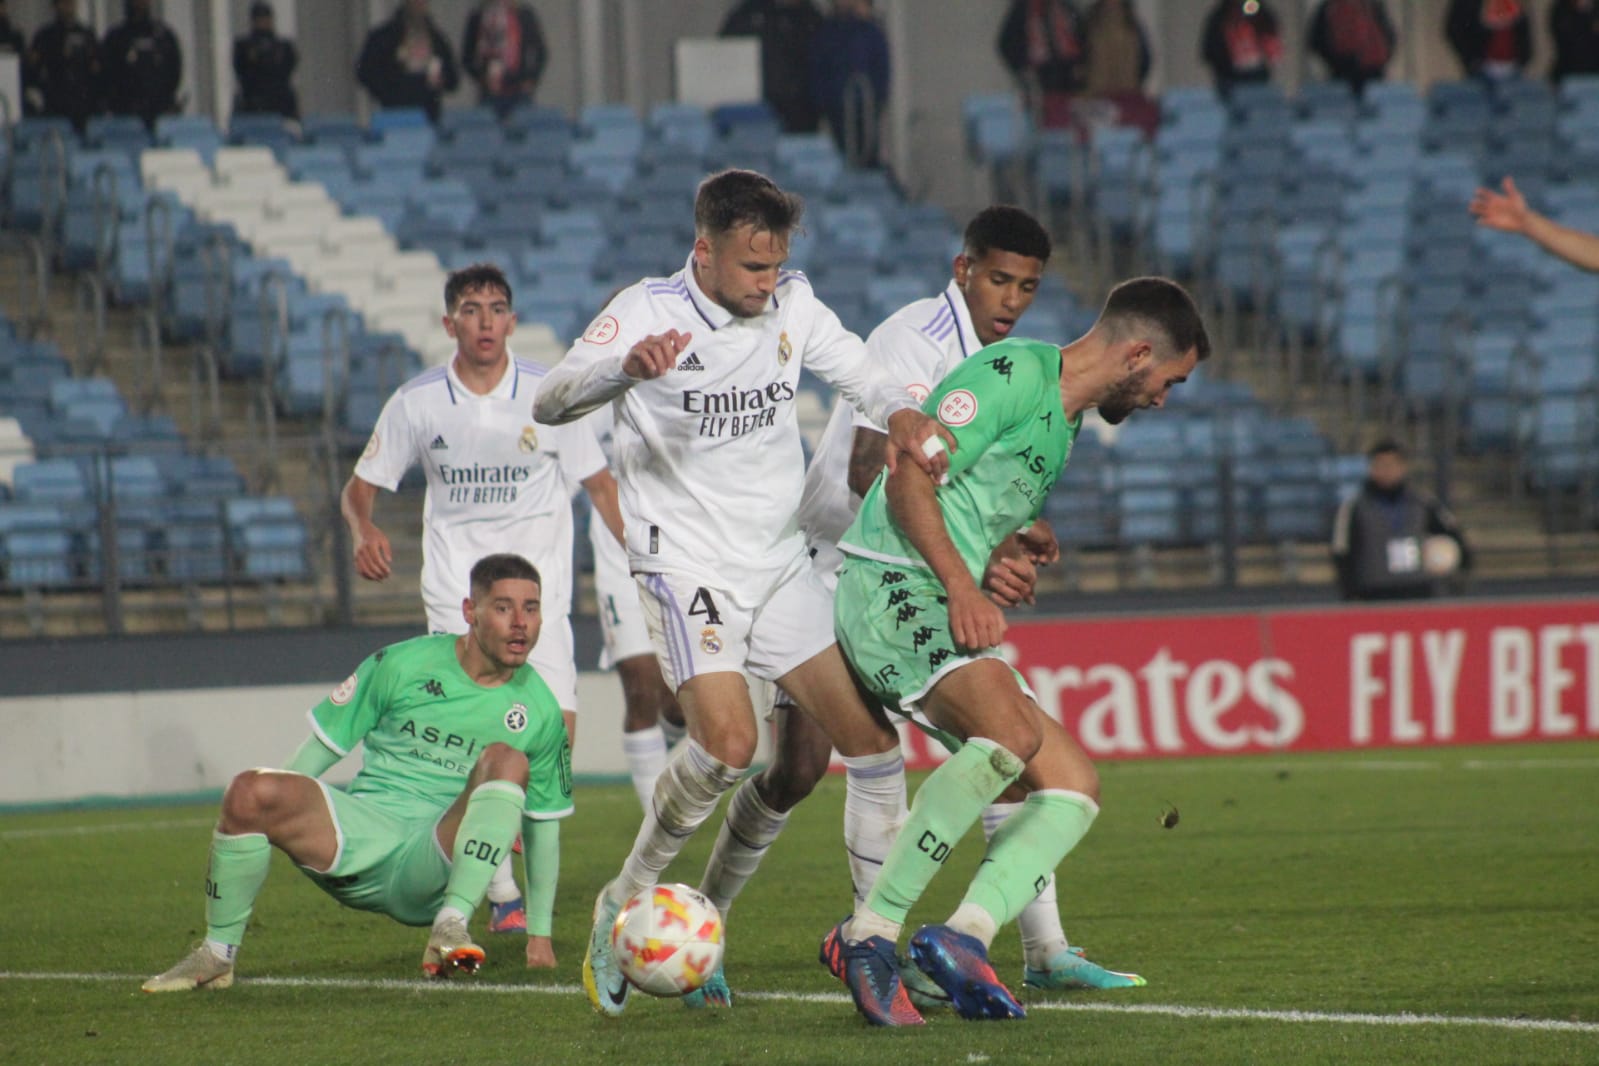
1311, 680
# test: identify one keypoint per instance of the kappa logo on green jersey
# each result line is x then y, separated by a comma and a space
433, 688
1002, 366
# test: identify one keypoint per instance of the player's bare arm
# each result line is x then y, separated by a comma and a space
974, 620
1508, 211
602, 491
909, 430
868, 451
373, 555
655, 355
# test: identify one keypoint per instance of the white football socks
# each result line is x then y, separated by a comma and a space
224, 952
685, 795
645, 751
1043, 938
747, 831
874, 810
502, 889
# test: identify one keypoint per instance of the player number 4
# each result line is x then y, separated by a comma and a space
702, 604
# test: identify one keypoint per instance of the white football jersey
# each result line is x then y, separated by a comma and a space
917, 345
708, 455
496, 482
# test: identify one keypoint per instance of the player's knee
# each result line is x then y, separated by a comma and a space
501, 762
1087, 781
251, 799
641, 705
787, 781
734, 745
1016, 730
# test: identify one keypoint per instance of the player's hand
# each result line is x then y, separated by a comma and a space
1506, 211
373, 554
1010, 579
974, 621
655, 355
909, 430
1038, 541
540, 953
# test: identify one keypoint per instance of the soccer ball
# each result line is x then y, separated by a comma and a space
667, 940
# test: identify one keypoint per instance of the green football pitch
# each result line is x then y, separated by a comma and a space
1418, 906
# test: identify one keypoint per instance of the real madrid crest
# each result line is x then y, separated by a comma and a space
710, 643
529, 441
784, 349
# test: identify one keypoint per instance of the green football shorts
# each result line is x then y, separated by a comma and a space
389, 860
892, 625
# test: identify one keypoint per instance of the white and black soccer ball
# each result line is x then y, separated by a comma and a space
667, 940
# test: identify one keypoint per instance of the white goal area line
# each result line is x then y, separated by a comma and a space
839, 999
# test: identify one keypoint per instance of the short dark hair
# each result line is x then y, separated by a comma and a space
1004, 228
471, 278
1159, 304
1385, 446
505, 566
734, 198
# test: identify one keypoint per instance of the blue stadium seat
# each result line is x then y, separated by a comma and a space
36, 547
392, 119
55, 481
192, 541
268, 537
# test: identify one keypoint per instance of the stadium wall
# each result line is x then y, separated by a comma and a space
140, 718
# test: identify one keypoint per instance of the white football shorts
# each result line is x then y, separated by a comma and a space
763, 631
621, 615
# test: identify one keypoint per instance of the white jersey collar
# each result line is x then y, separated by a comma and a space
506, 388
963, 318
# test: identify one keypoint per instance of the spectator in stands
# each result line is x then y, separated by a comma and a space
1117, 62
407, 61
1041, 41
849, 79
263, 63
503, 51
141, 64
1241, 43
1383, 537
11, 40
1355, 38
1508, 211
64, 67
1492, 38
1574, 25
785, 29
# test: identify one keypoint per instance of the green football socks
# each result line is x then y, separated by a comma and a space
238, 869
1023, 854
483, 839
946, 805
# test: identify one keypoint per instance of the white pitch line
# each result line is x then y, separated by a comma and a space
1265, 764
1531, 764
111, 827
839, 999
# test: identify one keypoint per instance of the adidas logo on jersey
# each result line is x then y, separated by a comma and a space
438, 444
691, 363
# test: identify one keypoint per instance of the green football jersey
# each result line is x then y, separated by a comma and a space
424, 723
1003, 405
